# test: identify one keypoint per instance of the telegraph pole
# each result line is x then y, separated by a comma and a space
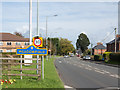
115, 39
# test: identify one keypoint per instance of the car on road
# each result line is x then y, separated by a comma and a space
66, 56
86, 57
78, 55
72, 55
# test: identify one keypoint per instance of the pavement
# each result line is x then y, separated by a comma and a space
81, 74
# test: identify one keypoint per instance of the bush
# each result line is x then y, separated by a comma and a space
115, 57
106, 56
92, 57
97, 57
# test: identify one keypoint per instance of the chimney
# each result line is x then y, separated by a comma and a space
118, 35
99, 43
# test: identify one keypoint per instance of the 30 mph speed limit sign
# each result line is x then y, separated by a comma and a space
37, 41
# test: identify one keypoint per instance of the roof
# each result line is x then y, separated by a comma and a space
12, 37
113, 41
100, 46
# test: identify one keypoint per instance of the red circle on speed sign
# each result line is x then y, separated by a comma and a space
37, 42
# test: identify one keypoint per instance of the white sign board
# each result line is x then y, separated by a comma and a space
27, 60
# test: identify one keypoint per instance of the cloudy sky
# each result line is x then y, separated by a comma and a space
96, 19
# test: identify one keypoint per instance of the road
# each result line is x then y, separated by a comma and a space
76, 73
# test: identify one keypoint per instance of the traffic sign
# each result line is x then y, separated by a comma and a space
32, 50
38, 41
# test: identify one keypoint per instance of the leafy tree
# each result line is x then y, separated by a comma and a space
88, 51
82, 42
54, 45
62, 46
18, 34
66, 46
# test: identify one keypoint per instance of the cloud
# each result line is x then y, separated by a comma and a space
42, 32
95, 19
22, 29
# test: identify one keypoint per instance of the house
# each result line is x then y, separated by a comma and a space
111, 45
9, 42
99, 49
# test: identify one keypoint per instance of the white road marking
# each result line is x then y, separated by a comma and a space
60, 62
88, 68
99, 71
115, 75
106, 72
65, 86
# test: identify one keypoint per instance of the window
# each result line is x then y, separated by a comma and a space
1, 43
9, 43
26, 43
9, 50
1, 51
17, 43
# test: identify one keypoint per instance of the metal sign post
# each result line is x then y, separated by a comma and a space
43, 67
37, 62
21, 66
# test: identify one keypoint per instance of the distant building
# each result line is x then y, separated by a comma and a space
99, 49
111, 45
9, 42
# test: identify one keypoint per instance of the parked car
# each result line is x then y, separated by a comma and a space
78, 55
66, 56
72, 55
86, 57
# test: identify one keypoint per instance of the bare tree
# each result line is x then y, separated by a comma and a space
18, 34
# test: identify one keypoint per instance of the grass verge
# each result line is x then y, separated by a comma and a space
51, 79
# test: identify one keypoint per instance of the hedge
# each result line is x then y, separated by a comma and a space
97, 57
115, 57
106, 55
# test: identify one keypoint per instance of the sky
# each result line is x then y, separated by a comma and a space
96, 19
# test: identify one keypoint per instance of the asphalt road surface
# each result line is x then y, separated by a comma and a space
76, 73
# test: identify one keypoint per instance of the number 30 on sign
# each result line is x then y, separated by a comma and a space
38, 42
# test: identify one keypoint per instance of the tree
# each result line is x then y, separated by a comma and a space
82, 42
18, 34
54, 45
66, 46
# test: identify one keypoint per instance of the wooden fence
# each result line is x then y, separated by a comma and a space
9, 63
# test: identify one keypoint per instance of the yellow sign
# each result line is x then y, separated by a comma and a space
31, 50
38, 41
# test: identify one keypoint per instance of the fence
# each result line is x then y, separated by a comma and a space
9, 68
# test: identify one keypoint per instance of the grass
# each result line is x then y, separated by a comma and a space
51, 79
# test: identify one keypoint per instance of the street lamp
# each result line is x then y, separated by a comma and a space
47, 30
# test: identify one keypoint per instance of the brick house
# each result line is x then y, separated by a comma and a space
111, 45
99, 49
9, 42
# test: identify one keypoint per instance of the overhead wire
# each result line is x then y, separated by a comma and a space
107, 36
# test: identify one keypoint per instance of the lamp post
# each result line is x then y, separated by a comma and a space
47, 31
